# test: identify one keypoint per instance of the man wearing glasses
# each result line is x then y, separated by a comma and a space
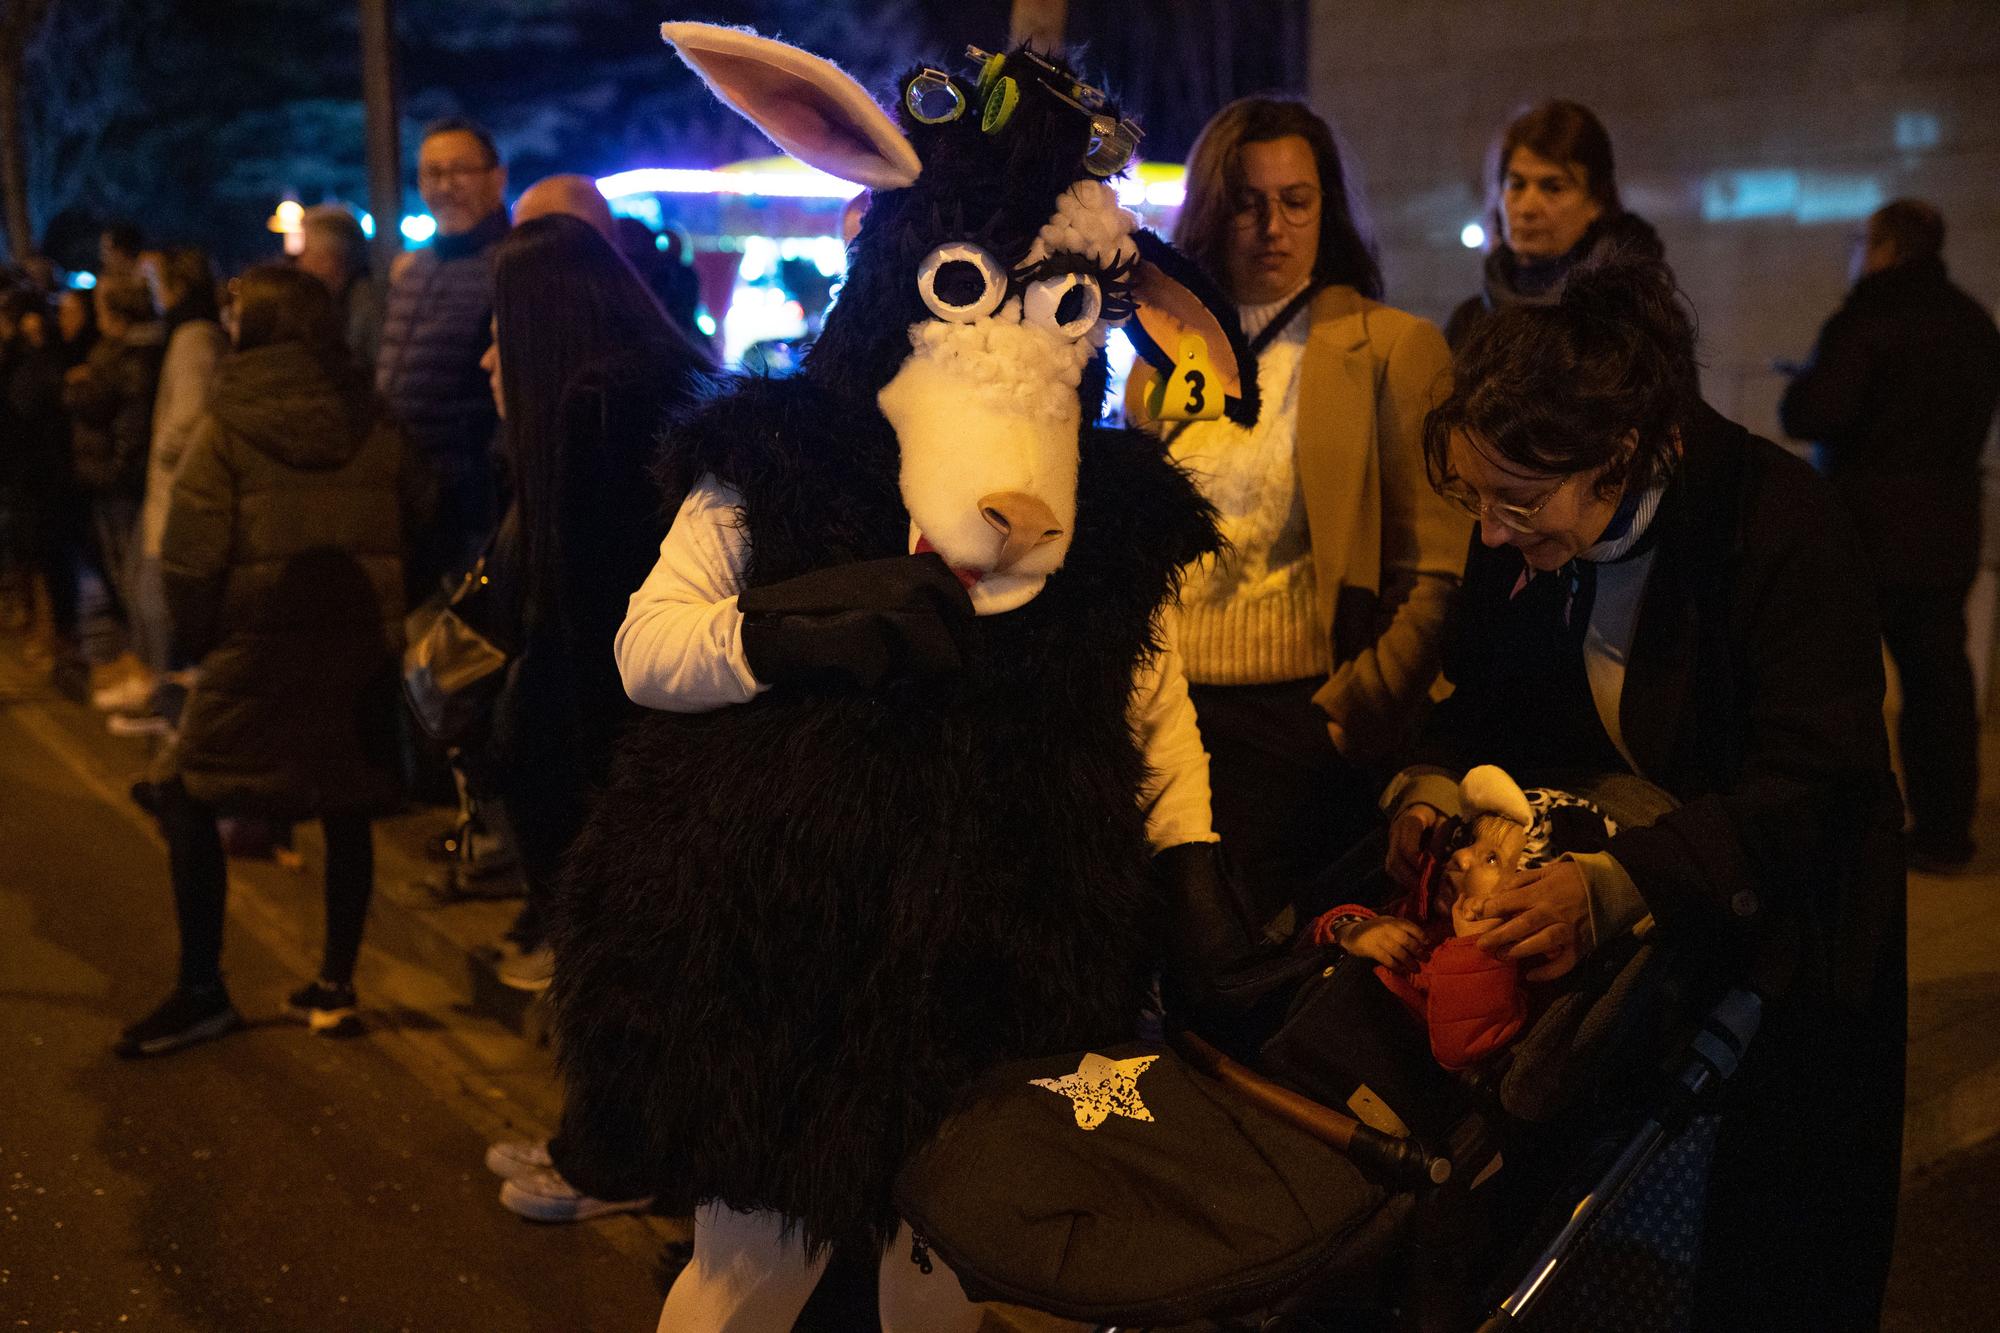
437, 327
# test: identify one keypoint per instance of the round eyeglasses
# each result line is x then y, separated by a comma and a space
1297, 206
1515, 518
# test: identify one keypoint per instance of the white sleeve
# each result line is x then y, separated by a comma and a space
1176, 795
681, 646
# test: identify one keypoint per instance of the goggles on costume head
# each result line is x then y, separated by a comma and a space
933, 98
1114, 142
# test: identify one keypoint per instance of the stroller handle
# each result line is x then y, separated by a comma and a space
1405, 1161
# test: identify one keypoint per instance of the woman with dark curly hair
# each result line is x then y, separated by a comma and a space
1655, 591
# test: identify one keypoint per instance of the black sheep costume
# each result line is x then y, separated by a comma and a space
796, 929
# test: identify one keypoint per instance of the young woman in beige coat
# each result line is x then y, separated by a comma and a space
1312, 641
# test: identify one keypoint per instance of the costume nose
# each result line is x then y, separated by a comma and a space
1023, 523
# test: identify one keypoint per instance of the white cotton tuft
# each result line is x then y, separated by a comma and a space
1088, 221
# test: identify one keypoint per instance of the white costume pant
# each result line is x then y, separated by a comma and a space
746, 1278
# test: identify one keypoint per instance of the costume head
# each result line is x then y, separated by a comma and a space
993, 261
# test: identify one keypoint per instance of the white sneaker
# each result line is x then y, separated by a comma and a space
518, 1157
544, 1196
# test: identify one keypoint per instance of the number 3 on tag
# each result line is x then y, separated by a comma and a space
1193, 392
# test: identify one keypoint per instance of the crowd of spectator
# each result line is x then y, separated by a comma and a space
218, 500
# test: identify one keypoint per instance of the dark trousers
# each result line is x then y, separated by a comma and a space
201, 884
1285, 803
54, 537
114, 518
1924, 628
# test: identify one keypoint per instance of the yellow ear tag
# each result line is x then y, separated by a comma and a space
1193, 392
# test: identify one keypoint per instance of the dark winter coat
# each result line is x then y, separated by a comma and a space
1753, 694
111, 411
283, 567
1508, 280
1900, 395
565, 703
437, 326
38, 443
795, 929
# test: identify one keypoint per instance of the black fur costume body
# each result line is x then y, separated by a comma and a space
796, 928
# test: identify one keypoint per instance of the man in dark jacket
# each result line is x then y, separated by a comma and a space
438, 325
1899, 395
109, 399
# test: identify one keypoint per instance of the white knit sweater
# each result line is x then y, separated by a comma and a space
1248, 616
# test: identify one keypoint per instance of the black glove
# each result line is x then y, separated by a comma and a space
859, 624
1220, 975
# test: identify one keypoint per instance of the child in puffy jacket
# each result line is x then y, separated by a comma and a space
1425, 945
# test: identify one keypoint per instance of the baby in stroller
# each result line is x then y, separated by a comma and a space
1472, 1002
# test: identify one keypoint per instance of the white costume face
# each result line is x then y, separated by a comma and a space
986, 411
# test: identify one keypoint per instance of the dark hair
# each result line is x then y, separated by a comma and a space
124, 237
128, 298
564, 302
1564, 132
1914, 227
462, 125
276, 303
192, 277
88, 306
22, 302
1557, 389
1215, 173
338, 222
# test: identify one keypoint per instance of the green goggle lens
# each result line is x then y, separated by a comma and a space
1000, 105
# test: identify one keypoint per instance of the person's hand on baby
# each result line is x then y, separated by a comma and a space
1389, 940
1544, 914
1468, 915
1407, 834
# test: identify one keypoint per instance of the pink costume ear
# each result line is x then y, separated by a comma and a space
1168, 309
806, 105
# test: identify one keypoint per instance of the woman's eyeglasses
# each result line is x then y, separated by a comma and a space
1515, 518
1298, 207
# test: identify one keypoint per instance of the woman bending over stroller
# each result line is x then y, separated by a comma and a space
1653, 590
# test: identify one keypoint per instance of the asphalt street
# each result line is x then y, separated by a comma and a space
272, 1180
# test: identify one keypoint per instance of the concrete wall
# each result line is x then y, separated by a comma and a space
1753, 133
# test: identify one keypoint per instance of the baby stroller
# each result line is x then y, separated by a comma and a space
1298, 1170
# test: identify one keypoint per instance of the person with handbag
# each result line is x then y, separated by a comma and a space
282, 560
587, 370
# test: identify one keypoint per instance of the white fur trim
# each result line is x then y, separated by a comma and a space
1488, 790
806, 105
1088, 221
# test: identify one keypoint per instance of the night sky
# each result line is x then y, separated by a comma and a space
194, 117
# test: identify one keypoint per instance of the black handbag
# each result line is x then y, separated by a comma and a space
455, 664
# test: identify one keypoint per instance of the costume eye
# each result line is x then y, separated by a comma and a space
961, 282
1068, 303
